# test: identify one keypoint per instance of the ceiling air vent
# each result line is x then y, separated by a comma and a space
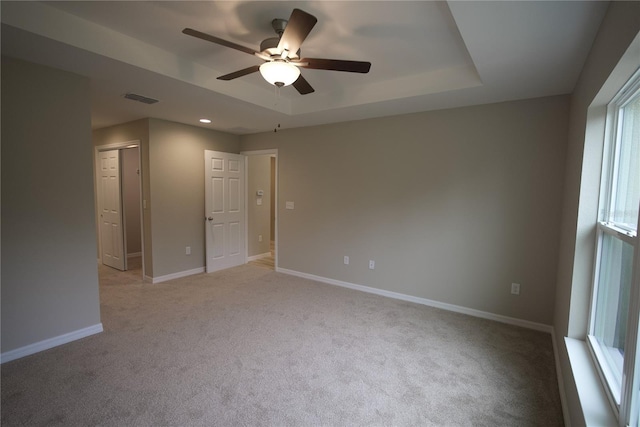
140, 98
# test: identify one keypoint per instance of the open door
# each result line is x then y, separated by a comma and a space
111, 210
224, 210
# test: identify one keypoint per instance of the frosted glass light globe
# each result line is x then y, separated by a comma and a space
279, 73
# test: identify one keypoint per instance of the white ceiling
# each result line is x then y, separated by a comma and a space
425, 55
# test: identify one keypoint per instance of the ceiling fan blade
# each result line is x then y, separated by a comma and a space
216, 40
297, 29
240, 73
336, 65
303, 86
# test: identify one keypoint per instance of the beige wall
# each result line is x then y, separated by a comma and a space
133, 131
452, 205
176, 156
259, 216
49, 275
173, 187
581, 183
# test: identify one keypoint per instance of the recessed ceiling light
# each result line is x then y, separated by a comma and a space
205, 121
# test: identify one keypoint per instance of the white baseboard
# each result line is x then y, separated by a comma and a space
50, 343
260, 256
177, 275
424, 301
134, 255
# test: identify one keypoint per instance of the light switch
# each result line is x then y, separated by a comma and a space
289, 205
259, 201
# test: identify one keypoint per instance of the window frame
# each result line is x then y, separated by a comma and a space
623, 399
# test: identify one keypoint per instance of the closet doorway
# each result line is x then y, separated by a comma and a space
262, 223
120, 206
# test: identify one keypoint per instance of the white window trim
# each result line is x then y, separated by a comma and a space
623, 402
607, 376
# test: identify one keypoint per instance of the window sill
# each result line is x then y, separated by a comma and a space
593, 400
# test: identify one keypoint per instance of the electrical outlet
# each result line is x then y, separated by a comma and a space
187, 250
515, 288
372, 264
346, 260
259, 237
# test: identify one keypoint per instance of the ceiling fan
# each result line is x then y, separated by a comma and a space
282, 54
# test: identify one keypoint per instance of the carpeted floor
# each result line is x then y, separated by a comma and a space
249, 346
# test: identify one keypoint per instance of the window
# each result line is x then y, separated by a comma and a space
613, 331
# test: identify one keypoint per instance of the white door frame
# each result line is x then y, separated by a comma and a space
270, 152
120, 146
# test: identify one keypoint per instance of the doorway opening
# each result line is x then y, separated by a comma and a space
131, 201
119, 204
262, 189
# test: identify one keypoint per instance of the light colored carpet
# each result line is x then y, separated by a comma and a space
249, 346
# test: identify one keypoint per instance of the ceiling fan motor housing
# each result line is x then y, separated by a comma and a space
269, 45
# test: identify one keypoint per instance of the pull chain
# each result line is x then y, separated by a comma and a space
276, 95
277, 98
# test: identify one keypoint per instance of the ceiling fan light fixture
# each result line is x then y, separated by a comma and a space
279, 73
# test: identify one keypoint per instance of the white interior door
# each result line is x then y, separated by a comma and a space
110, 206
224, 210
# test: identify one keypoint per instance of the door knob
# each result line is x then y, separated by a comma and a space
209, 218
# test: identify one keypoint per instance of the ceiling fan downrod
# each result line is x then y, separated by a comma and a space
278, 26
